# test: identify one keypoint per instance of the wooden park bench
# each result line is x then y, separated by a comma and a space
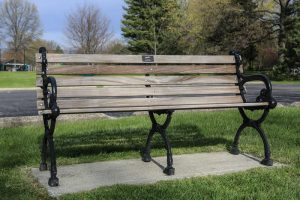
159, 84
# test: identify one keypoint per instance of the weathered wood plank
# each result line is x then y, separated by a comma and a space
71, 81
131, 59
83, 92
153, 108
139, 102
138, 69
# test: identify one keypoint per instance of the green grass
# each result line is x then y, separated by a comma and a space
17, 79
286, 82
191, 132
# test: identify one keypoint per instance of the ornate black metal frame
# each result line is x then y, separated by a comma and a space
50, 102
161, 129
264, 96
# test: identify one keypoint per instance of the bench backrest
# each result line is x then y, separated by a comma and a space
100, 83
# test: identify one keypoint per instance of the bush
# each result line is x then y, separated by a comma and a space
280, 74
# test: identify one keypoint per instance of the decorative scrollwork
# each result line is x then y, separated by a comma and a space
265, 94
51, 97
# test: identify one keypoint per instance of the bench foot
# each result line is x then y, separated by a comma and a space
53, 182
256, 124
267, 162
146, 157
169, 171
234, 151
43, 167
161, 129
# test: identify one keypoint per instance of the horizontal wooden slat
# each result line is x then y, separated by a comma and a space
84, 92
177, 107
138, 69
139, 80
131, 59
138, 102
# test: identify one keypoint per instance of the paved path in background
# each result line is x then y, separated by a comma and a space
23, 103
284, 93
84, 177
18, 103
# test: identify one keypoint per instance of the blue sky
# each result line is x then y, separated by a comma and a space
53, 16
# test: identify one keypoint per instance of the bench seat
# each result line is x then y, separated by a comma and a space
154, 108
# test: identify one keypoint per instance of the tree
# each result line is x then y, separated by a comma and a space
87, 29
203, 17
116, 47
239, 27
33, 47
147, 25
278, 13
292, 50
52, 46
20, 23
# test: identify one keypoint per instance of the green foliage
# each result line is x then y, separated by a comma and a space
289, 44
198, 24
292, 50
58, 49
240, 29
147, 25
116, 47
33, 47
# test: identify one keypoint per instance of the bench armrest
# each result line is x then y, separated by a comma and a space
265, 93
51, 95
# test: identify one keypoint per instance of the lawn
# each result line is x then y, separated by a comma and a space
286, 82
190, 132
17, 79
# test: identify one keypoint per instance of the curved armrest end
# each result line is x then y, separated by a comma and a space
53, 96
266, 93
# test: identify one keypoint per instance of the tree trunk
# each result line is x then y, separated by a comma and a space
282, 35
15, 58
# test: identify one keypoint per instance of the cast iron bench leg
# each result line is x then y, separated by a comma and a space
161, 129
44, 144
53, 180
256, 124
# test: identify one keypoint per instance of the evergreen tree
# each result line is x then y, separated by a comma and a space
148, 23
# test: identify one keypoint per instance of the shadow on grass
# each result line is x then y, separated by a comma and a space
17, 148
128, 139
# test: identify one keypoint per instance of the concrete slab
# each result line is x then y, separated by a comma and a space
84, 177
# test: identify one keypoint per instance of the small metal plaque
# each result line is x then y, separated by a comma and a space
148, 59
